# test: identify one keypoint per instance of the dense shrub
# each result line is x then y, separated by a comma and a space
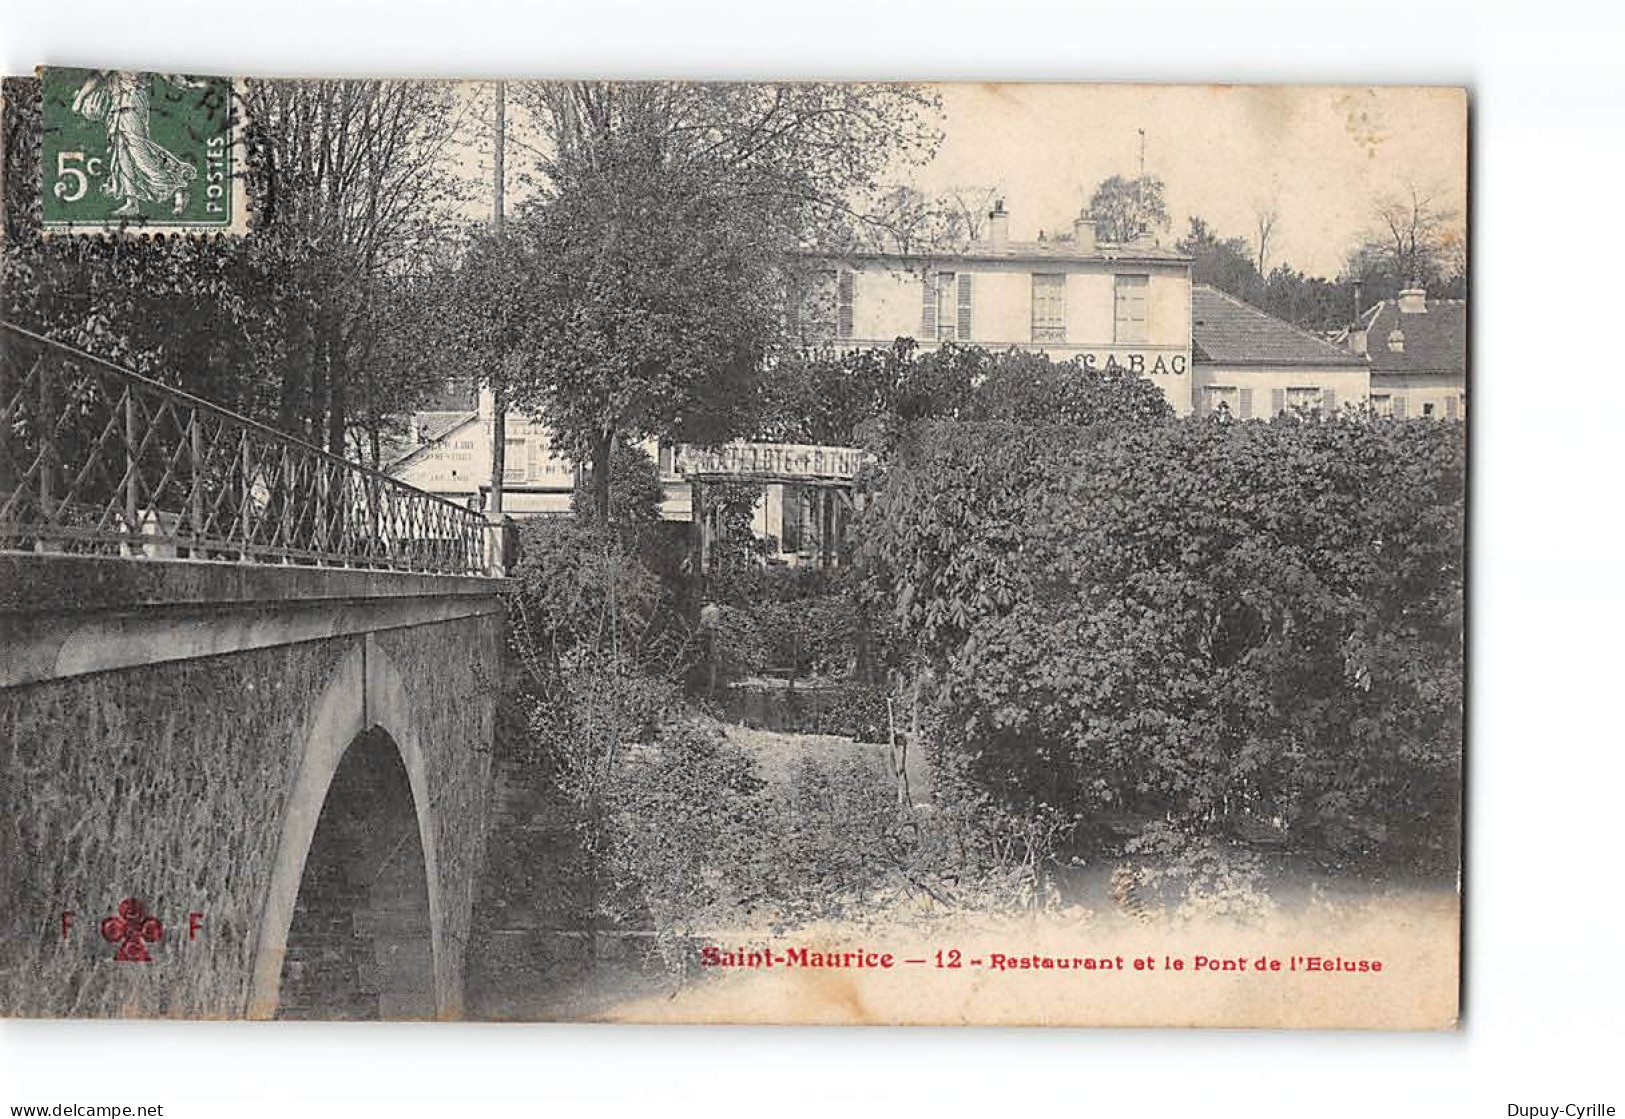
1236, 625
826, 397
942, 540
681, 844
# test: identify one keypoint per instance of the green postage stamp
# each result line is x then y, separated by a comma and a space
125, 151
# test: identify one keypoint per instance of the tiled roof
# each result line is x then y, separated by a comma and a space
1435, 340
432, 428
1224, 330
436, 425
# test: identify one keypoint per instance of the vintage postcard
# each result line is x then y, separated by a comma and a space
785, 552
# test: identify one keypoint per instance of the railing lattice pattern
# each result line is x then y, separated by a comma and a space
97, 459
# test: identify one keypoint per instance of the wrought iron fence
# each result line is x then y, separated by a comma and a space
97, 459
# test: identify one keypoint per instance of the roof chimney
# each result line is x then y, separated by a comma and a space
1083, 234
998, 227
1357, 331
1413, 301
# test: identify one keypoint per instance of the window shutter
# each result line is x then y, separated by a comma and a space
1246, 404
843, 305
1277, 401
963, 332
928, 308
1328, 401
1450, 408
1399, 406
794, 296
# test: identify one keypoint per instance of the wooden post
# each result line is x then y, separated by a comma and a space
319, 533
8, 475
285, 530
195, 438
246, 501
701, 542
826, 503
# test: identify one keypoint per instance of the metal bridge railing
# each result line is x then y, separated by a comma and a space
97, 459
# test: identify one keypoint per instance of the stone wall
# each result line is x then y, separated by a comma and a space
170, 782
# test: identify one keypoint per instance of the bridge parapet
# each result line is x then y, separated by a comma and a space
174, 730
97, 459
204, 619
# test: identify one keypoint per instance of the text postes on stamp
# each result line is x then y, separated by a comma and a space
127, 151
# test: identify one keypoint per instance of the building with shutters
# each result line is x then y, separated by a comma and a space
1130, 306
448, 452
1416, 350
1248, 364
1070, 295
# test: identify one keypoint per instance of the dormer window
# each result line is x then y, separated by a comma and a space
1396, 341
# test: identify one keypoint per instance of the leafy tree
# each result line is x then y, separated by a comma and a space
1221, 262
1029, 388
358, 185
301, 325
1225, 625
1124, 207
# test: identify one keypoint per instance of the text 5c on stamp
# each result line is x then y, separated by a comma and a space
127, 151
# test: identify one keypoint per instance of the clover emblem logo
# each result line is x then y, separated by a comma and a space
132, 930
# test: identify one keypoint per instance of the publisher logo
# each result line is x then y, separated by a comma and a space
132, 930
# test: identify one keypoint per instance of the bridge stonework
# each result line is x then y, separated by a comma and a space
171, 730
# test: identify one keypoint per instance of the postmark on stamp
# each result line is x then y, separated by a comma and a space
127, 151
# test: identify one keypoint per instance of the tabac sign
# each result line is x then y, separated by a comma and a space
792, 462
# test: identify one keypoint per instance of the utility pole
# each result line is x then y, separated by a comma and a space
1139, 190
499, 394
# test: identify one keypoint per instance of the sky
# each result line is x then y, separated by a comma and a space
1322, 154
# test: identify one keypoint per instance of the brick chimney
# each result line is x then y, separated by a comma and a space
1083, 234
1357, 331
998, 227
1413, 301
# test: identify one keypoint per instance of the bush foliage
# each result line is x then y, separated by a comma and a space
1238, 626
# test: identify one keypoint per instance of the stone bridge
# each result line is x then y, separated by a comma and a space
246, 685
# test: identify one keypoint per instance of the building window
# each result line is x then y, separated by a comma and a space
1427, 409
1049, 308
947, 307
1303, 399
1382, 404
1221, 400
513, 462
1131, 297
827, 308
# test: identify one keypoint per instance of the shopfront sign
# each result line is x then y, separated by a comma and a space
772, 461
1147, 363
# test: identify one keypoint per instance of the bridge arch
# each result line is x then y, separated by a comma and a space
362, 742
